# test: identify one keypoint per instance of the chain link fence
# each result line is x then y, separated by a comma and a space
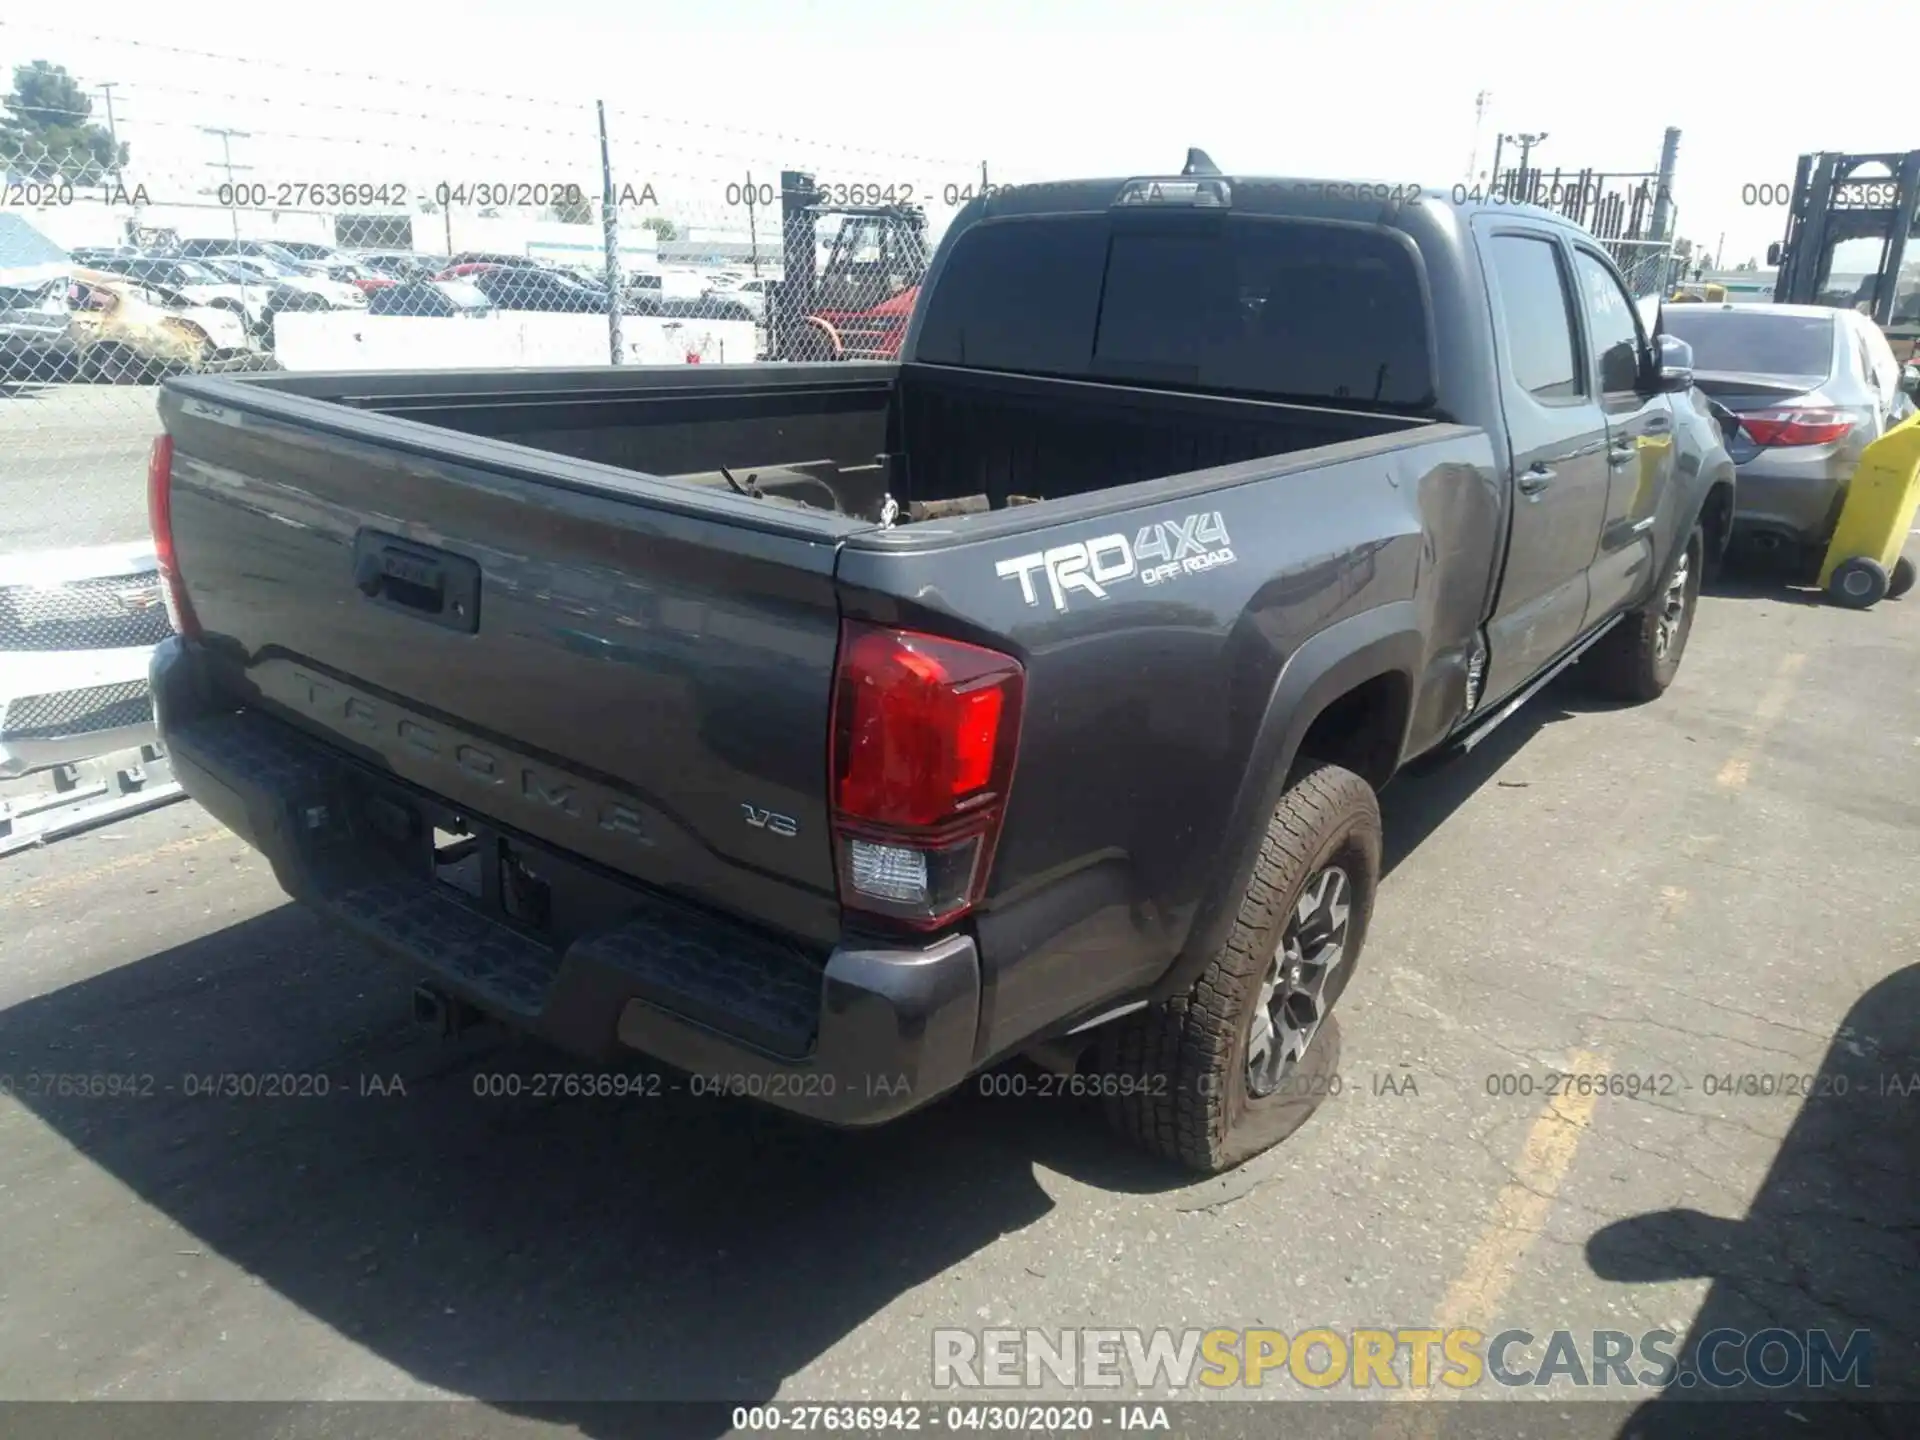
589, 236
352, 223
1650, 267
424, 227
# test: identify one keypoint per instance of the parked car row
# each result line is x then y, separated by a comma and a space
123, 314
111, 328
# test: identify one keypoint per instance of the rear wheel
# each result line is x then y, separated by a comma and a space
1215, 1076
1901, 580
1638, 658
1859, 583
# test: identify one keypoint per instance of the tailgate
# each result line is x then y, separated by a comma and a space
631, 671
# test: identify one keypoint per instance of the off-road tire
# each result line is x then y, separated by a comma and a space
1181, 1064
1627, 663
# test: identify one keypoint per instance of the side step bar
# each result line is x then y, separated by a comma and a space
1491, 721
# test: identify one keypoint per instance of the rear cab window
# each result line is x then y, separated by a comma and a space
1286, 308
1754, 342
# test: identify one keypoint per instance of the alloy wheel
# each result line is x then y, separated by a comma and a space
1293, 1000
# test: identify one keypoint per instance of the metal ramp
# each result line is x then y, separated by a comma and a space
51, 805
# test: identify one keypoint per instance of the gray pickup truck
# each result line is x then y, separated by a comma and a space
831, 733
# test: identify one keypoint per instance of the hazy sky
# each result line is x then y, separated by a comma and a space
899, 92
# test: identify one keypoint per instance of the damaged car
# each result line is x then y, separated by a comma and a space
124, 332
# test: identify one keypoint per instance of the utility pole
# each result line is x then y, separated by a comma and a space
610, 231
1663, 186
753, 228
1526, 144
1479, 120
106, 88
227, 137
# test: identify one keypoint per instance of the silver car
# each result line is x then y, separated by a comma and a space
1812, 387
77, 628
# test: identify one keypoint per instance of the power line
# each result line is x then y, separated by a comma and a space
432, 88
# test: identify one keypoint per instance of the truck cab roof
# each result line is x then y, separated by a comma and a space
1370, 201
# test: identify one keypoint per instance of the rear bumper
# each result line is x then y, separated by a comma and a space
1791, 502
873, 1032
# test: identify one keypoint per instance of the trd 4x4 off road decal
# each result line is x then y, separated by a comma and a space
1161, 552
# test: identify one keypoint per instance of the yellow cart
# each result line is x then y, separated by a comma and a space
1864, 564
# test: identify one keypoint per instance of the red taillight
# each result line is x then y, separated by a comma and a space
924, 735
160, 517
1796, 426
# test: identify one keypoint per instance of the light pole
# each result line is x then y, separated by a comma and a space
106, 89
1526, 144
1479, 120
227, 137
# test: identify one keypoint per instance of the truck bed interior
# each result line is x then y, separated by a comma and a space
938, 440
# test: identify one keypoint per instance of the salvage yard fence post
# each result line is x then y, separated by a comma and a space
610, 235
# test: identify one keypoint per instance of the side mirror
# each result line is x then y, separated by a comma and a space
1676, 365
1910, 377
1774, 253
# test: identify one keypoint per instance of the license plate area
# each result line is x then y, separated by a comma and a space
494, 872
512, 880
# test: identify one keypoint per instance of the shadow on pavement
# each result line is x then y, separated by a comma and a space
1831, 1242
526, 1250
1421, 798
547, 1255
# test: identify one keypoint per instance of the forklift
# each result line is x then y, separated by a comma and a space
1834, 202
854, 304
1876, 198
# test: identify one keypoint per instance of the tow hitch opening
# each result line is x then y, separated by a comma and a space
448, 1016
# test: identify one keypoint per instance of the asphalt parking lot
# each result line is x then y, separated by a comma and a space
1717, 886
73, 463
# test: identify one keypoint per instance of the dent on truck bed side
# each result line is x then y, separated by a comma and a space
1159, 712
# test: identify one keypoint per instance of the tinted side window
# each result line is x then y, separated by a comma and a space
1864, 359
1539, 316
1880, 363
1613, 324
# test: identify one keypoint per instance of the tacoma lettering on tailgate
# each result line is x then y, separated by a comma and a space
534, 786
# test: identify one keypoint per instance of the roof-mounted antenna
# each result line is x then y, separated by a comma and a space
1198, 163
